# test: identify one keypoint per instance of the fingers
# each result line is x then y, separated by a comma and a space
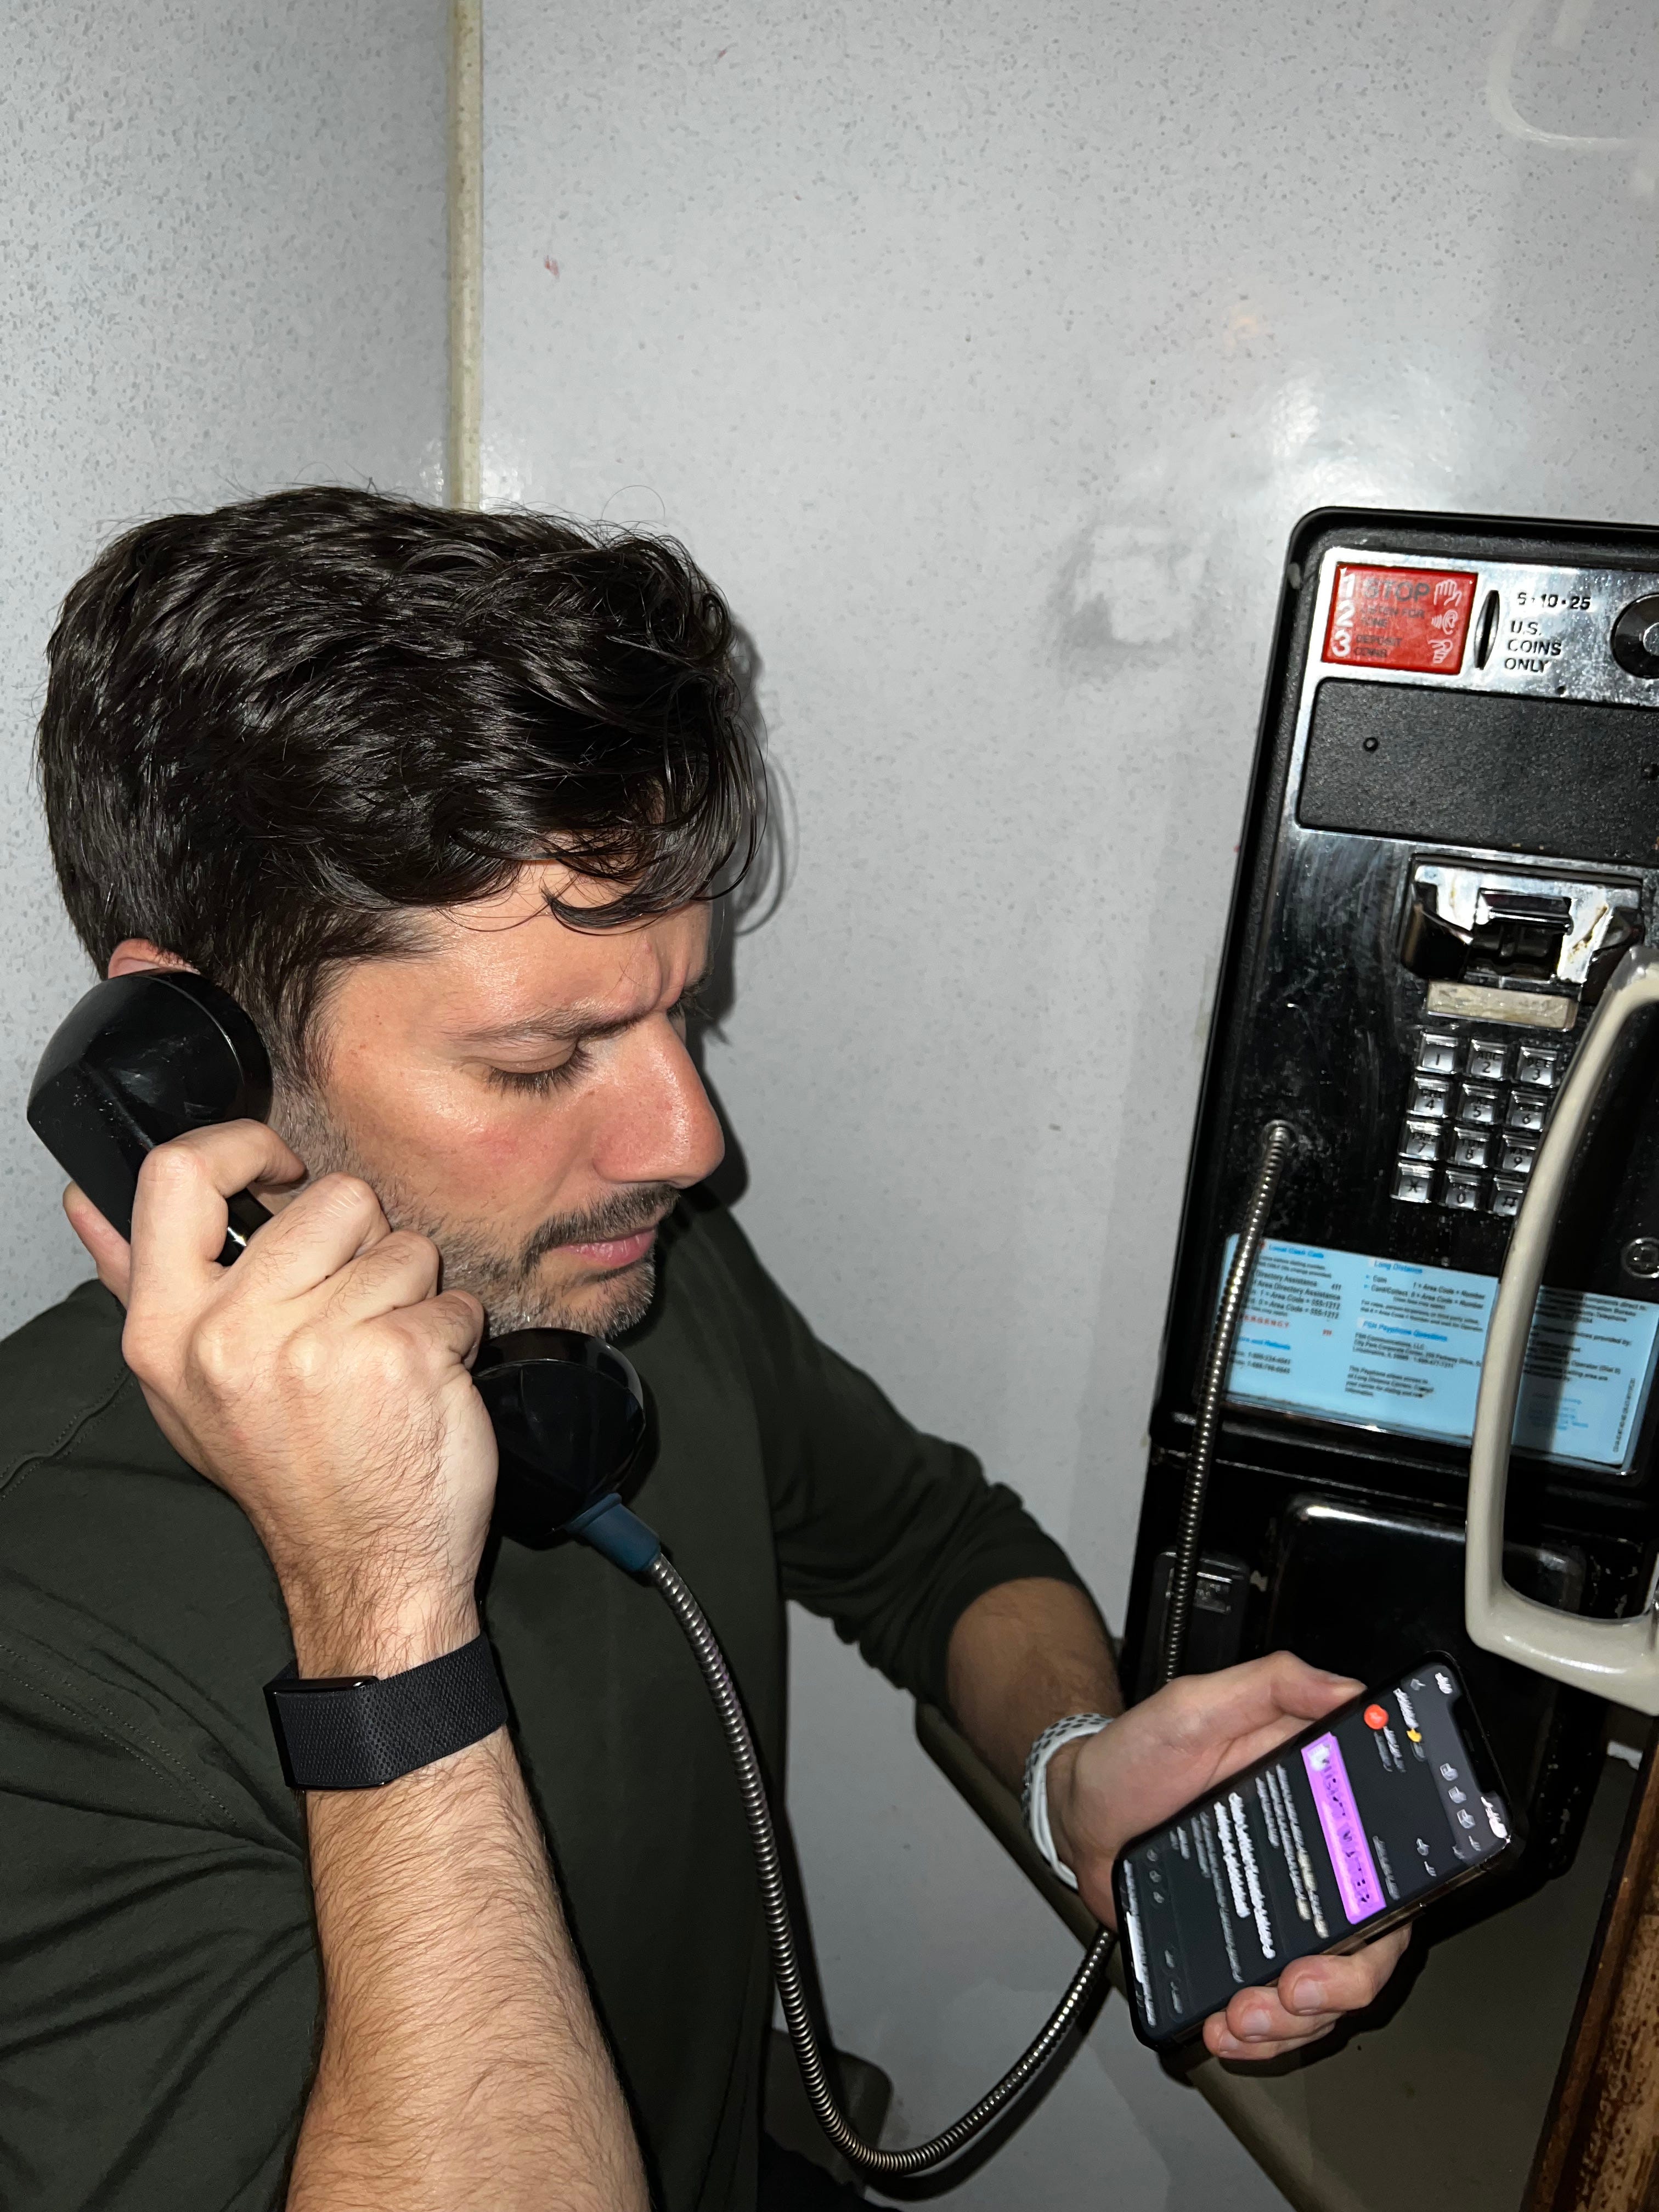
331, 1223
178, 1212
1239, 1700
110, 1253
1345, 1984
399, 1275
455, 1320
1311, 1996
399, 1269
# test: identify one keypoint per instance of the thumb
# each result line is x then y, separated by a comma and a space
110, 1253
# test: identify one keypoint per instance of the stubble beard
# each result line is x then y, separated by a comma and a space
505, 1282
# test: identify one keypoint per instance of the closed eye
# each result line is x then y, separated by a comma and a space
540, 1082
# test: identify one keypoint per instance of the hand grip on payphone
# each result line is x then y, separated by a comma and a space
1617, 1659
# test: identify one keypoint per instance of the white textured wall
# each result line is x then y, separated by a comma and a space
222, 230
986, 353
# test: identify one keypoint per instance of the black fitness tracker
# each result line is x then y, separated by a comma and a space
361, 1731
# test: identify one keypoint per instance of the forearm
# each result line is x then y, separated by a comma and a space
1021, 1656
461, 2063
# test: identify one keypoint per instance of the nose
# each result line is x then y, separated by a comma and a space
661, 1125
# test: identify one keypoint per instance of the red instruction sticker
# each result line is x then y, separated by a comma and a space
1416, 619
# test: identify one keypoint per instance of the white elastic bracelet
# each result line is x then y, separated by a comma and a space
1035, 1792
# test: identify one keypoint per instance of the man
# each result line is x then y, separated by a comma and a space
443, 800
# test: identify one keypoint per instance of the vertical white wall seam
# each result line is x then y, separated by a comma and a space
461, 473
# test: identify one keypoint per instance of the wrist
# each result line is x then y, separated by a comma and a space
379, 1633
1061, 1779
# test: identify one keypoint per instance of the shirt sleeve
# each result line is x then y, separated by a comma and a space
161, 1979
890, 1533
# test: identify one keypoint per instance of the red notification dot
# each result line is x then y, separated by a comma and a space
1376, 1717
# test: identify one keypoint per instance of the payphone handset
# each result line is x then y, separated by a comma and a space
1616, 1659
143, 1058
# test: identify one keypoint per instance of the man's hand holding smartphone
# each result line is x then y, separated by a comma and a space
1157, 1759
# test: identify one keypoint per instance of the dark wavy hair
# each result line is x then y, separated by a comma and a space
272, 730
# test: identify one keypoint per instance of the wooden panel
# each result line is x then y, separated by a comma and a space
1600, 2148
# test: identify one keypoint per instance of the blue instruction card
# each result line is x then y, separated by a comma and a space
1389, 1345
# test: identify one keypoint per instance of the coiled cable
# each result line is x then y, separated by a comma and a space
922, 2158
1276, 1142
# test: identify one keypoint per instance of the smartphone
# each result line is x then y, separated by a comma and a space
1339, 1835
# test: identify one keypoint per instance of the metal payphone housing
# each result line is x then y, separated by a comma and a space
1452, 838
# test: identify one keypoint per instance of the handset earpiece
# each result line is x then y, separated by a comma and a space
140, 1060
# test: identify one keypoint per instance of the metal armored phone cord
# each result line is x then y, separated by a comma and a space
922, 2158
1276, 1142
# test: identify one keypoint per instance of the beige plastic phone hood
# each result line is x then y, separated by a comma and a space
1616, 1659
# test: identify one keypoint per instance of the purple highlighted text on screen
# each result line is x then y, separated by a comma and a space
1344, 1837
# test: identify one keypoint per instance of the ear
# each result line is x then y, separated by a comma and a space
136, 956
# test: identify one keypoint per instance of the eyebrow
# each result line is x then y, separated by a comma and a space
571, 1025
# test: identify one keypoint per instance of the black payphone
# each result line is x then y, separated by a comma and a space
1452, 838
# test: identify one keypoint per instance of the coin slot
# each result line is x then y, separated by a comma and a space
1486, 630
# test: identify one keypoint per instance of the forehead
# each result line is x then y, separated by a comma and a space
506, 959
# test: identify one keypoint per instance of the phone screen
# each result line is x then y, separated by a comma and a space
1389, 1801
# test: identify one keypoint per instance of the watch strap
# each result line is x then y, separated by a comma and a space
1034, 1797
359, 1732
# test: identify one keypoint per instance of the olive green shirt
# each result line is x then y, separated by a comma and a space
159, 1986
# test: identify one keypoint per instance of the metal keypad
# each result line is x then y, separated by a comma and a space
1474, 1105
1420, 1140
1414, 1181
1519, 1153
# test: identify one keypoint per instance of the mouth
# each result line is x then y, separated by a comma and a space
612, 1253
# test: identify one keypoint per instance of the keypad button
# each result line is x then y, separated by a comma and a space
1519, 1153
1506, 1197
1488, 1062
1430, 1099
1535, 1065
1478, 1105
1414, 1181
1420, 1140
1527, 1111
1462, 1194
1471, 1148
1437, 1056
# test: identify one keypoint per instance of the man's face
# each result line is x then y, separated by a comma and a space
521, 1092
